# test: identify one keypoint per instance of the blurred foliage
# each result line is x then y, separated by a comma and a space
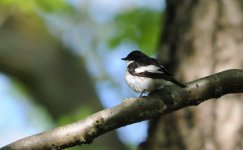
81, 113
31, 5
140, 26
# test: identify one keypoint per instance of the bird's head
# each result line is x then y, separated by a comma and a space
133, 56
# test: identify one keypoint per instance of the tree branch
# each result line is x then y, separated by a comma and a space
133, 110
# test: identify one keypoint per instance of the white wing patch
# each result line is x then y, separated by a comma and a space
149, 68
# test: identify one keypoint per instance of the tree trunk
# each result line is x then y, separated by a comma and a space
201, 38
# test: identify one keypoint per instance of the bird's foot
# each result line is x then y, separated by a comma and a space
141, 95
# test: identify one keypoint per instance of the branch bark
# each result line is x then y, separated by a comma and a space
160, 102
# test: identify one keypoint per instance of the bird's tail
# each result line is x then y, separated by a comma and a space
178, 83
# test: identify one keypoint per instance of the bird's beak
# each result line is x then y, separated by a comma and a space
124, 59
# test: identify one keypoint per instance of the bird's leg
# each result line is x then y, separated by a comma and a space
141, 94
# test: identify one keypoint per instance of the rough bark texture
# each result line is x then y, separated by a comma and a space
160, 102
202, 37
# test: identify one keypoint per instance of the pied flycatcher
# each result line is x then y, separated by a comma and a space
145, 74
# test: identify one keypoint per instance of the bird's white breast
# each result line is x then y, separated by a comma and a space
140, 84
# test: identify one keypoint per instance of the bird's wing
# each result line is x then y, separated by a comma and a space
162, 76
151, 68
150, 65
161, 67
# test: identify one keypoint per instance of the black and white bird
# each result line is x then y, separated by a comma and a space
145, 74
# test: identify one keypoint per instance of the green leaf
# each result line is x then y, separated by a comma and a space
140, 26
